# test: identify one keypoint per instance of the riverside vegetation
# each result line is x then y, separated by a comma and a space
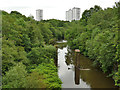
97, 36
28, 53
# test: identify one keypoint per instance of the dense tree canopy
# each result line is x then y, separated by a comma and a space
26, 47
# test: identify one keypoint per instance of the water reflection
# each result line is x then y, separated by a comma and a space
77, 75
66, 71
76, 71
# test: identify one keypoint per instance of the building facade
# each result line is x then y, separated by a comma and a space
73, 14
39, 14
70, 15
67, 14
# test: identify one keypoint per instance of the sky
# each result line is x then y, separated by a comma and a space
52, 9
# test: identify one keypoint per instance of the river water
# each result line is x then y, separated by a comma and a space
79, 72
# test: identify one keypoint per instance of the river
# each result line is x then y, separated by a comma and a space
79, 73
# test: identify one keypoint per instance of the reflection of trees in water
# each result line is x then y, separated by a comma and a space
72, 58
69, 57
61, 45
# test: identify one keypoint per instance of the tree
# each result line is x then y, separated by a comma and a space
15, 77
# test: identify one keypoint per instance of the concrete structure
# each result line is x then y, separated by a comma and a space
39, 14
73, 14
67, 14
76, 13
70, 15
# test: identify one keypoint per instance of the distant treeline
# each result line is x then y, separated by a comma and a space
97, 36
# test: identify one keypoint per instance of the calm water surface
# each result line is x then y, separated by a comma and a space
76, 71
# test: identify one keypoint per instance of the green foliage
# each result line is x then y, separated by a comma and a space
88, 13
15, 77
35, 80
49, 72
117, 77
117, 73
12, 54
39, 55
57, 28
26, 44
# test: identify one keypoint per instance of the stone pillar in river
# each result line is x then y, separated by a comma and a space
77, 65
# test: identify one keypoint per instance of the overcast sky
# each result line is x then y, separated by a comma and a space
51, 8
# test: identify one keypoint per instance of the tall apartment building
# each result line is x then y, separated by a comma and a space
39, 14
73, 14
70, 15
67, 15
76, 13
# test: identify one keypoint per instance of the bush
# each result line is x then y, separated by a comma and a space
49, 71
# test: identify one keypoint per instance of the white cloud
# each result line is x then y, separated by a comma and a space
51, 8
